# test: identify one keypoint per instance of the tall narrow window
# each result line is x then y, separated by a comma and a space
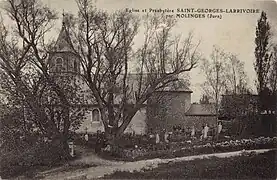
65, 65
75, 66
95, 115
59, 64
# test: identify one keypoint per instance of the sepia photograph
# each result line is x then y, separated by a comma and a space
138, 89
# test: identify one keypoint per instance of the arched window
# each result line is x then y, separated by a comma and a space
95, 115
59, 64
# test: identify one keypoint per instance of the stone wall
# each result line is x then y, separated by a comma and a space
167, 109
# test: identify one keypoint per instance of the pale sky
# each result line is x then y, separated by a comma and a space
235, 33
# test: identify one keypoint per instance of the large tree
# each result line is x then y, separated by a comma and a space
24, 61
273, 79
235, 76
104, 43
214, 70
273, 69
225, 74
262, 63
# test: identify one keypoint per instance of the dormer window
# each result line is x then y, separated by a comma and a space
59, 64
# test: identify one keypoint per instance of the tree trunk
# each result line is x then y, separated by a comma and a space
113, 134
126, 121
66, 132
66, 150
61, 146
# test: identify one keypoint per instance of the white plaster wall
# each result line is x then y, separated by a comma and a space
89, 125
138, 124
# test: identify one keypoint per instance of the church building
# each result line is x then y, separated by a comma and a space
173, 108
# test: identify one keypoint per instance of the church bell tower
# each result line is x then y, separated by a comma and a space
63, 61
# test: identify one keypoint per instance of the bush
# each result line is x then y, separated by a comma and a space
186, 149
16, 162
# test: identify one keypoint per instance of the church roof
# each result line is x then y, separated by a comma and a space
201, 110
177, 89
176, 86
64, 43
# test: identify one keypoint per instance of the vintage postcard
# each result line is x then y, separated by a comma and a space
137, 89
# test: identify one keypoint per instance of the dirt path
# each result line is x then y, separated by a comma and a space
105, 167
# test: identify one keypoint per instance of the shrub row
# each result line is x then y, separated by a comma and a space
164, 151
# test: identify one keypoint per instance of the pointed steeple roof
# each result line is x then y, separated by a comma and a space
64, 43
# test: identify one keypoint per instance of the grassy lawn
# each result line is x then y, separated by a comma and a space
262, 166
